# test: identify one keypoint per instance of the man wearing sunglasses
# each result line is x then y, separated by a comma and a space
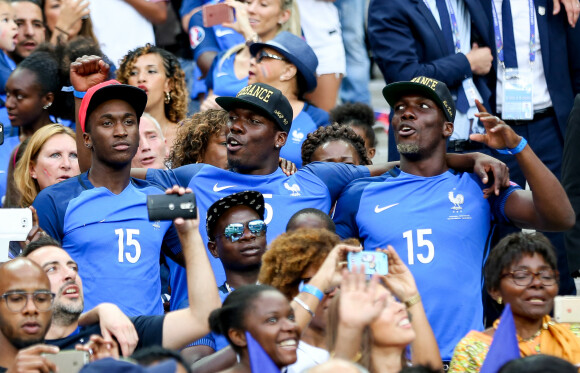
237, 237
25, 313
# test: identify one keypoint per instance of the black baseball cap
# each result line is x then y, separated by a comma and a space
428, 87
250, 198
263, 99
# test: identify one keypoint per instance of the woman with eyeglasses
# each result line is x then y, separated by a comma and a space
521, 270
288, 63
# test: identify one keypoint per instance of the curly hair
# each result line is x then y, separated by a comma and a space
176, 109
511, 249
194, 134
28, 186
334, 132
291, 253
356, 114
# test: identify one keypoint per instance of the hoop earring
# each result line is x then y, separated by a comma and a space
167, 97
499, 300
45, 107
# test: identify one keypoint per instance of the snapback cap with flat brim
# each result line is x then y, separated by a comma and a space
111, 90
251, 198
264, 100
428, 87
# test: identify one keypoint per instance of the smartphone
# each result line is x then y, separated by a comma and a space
216, 14
1, 134
69, 361
171, 206
374, 262
15, 224
567, 309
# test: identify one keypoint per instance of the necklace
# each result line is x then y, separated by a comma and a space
531, 339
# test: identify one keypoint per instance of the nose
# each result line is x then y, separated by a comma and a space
13, 25
144, 144
119, 129
141, 76
288, 325
408, 113
10, 101
28, 29
30, 307
236, 125
65, 164
252, 7
70, 274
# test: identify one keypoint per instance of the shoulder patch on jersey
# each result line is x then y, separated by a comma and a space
196, 36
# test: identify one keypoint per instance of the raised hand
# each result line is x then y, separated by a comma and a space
498, 134
360, 302
399, 279
87, 72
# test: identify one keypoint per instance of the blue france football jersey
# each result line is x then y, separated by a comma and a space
440, 227
111, 238
316, 185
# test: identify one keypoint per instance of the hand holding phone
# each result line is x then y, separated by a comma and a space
216, 14
171, 206
69, 361
374, 262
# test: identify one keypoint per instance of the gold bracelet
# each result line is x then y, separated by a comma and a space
413, 300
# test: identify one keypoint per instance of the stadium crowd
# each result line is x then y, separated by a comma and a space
300, 251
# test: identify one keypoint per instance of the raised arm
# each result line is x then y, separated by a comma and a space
155, 11
186, 325
85, 72
546, 207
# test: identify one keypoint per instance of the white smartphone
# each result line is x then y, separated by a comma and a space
15, 224
69, 361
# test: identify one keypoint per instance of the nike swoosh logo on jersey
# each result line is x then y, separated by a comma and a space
219, 189
219, 75
381, 209
220, 33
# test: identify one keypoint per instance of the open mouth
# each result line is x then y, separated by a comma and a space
233, 144
288, 344
406, 130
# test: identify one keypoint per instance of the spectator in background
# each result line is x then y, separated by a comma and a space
355, 84
335, 143
159, 74
321, 25
31, 31
153, 149
361, 118
289, 64
521, 271
67, 19
49, 157
229, 71
310, 218
121, 26
417, 39
8, 34
31, 91
201, 138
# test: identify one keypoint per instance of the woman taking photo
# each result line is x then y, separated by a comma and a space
67, 19
49, 157
521, 270
159, 74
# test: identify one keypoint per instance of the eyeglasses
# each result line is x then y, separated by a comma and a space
524, 277
263, 54
235, 231
17, 300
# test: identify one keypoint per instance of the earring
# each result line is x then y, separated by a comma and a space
167, 97
277, 146
88, 146
499, 300
47, 106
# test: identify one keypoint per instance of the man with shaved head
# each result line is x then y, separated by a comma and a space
25, 314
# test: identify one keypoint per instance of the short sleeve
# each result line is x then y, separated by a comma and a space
149, 329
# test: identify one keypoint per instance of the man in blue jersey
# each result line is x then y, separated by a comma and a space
436, 217
173, 330
101, 216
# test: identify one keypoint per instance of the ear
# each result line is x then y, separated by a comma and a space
494, 294
48, 98
280, 139
32, 170
284, 16
371, 152
87, 140
211, 246
447, 129
238, 337
289, 72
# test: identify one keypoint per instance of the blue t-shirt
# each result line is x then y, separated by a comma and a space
315, 185
111, 238
309, 119
440, 227
222, 78
5, 152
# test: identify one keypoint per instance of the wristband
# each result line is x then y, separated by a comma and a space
304, 305
306, 288
516, 150
79, 94
413, 300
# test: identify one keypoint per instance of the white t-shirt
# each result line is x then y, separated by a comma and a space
119, 28
307, 357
